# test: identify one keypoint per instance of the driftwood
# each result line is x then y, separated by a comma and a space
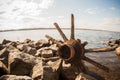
73, 51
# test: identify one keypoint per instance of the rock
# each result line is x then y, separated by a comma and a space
14, 44
27, 40
3, 69
113, 43
27, 49
2, 46
47, 53
48, 72
22, 63
11, 48
83, 76
69, 72
41, 43
6, 41
14, 77
118, 52
50, 59
44, 52
37, 71
54, 48
21, 47
30, 50
4, 55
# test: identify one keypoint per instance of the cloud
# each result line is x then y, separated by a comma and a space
111, 24
23, 13
112, 8
60, 17
91, 11
25, 7
111, 21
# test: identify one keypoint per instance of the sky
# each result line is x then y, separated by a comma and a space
90, 14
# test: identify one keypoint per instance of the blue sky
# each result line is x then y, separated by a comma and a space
91, 14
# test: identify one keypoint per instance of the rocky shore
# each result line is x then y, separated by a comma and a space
36, 60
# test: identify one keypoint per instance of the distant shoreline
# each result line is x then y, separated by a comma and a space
26, 29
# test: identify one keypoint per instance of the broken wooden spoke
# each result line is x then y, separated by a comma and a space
60, 31
96, 64
53, 40
101, 49
72, 27
73, 51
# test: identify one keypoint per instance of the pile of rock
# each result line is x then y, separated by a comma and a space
30, 60
115, 43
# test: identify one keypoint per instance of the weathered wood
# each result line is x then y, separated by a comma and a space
96, 64
53, 40
101, 49
72, 27
73, 51
60, 31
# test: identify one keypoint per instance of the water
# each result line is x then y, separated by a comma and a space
94, 38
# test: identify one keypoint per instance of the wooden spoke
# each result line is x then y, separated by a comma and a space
72, 27
101, 49
96, 64
53, 40
60, 31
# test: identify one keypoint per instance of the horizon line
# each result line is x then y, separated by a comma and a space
26, 29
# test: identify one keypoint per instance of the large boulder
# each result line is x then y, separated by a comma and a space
14, 77
22, 63
47, 72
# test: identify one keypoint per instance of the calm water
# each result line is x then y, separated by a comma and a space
94, 38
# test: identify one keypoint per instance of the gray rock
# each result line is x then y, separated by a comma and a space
15, 77
22, 63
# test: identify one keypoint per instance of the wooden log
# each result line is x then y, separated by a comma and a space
101, 49
53, 40
60, 31
72, 27
96, 64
